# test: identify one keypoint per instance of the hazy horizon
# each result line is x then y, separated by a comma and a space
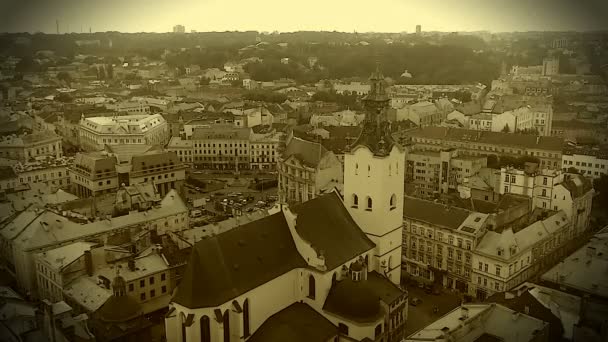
382, 16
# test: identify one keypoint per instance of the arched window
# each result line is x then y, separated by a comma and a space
246, 318
389, 170
356, 168
393, 201
390, 262
333, 277
369, 203
226, 326
378, 330
355, 201
205, 330
369, 170
311, 286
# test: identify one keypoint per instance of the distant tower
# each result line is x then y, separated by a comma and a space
374, 181
418, 29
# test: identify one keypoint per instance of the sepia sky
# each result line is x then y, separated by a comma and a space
295, 15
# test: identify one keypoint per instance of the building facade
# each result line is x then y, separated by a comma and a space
97, 132
27, 147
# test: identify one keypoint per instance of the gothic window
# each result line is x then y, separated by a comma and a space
356, 168
369, 170
369, 203
245, 318
355, 201
205, 330
311, 287
389, 170
393, 202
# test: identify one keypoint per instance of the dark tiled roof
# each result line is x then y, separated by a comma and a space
227, 265
296, 323
433, 213
7, 172
492, 138
119, 309
307, 152
384, 288
325, 223
354, 300
153, 160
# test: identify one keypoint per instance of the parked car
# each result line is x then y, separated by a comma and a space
416, 301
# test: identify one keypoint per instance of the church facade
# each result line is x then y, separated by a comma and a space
327, 269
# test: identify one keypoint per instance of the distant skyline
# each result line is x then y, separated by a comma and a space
310, 15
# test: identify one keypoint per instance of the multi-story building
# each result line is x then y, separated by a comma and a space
590, 162
96, 132
438, 242
217, 147
306, 170
51, 171
264, 151
96, 173
483, 322
8, 179
357, 88
29, 146
437, 172
505, 258
80, 274
35, 231
574, 196
307, 273
547, 149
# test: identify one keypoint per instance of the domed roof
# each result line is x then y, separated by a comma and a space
119, 282
353, 300
119, 309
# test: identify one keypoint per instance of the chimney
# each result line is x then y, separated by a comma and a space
590, 251
88, 262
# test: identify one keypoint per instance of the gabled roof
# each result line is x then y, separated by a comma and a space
325, 223
308, 152
433, 213
296, 323
229, 264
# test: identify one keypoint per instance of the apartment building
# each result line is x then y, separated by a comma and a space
51, 171
505, 258
97, 132
264, 151
547, 149
219, 147
306, 170
437, 172
590, 162
96, 173
438, 242
29, 146
35, 231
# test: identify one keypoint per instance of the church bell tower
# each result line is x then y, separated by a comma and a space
374, 180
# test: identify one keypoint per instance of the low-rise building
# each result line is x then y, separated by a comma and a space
51, 171
357, 88
97, 132
483, 322
28, 146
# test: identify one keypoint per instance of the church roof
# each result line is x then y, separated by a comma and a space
308, 152
325, 223
229, 264
119, 309
296, 323
354, 300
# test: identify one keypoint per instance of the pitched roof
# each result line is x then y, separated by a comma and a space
229, 264
307, 152
434, 213
493, 138
297, 323
577, 185
326, 224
